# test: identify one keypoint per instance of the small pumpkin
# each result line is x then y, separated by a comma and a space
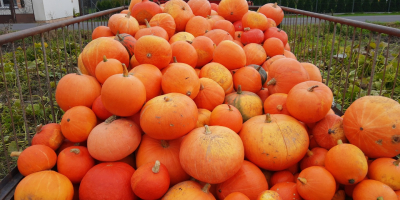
289, 54
189, 190
107, 68
133, 62
184, 52
165, 21
203, 117
218, 35
316, 183
252, 36
151, 78
67, 163
248, 103
153, 50
128, 41
273, 46
328, 131
181, 36
200, 7
313, 72
273, 11
269, 61
314, 157
49, 135
144, 10
156, 31
276, 104
211, 94
387, 171
236, 196
232, 10
276, 33
228, 116
255, 54
123, 23
225, 25
180, 78
263, 94
219, 74
248, 78
180, 11
77, 123
214, 6
372, 189
269, 195
287, 190
230, 55
261, 71
238, 25
99, 110
198, 26
45, 159
204, 47
213, 18
281, 177
102, 31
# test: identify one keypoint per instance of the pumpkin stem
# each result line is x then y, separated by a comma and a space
175, 60
339, 142
268, 118
309, 153
147, 23
125, 71
148, 55
258, 68
201, 86
119, 37
164, 143
311, 89
275, 5
302, 180
246, 29
166, 99
15, 153
188, 93
379, 198
397, 162
271, 82
239, 35
206, 188
104, 58
208, 131
156, 167
279, 107
229, 106
75, 151
188, 41
128, 14
78, 71
38, 128
239, 89
111, 119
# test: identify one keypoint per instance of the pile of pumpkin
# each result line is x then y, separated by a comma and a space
203, 101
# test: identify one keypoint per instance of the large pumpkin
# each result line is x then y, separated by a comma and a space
255, 20
198, 26
218, 35
180, 78
74, 162
151, 77
313, 72
273, 11
123, 23
230, 55
165, 21
45, 159
378, 135
328, 131
276, 104
203, 117
211, 154
77, 123
49, 135
184, 52
200, 7
145, 10
255, 54
204, 47
286, 145
107, 68
211, 94
219, 74
316, 183
249, 78
387, 171
273, 47
269, 61
155, 30
252, 36
248, 103
372, 189
113, 139
189, 190
169, 116
228, 116
180, 11
153, 50
233, 10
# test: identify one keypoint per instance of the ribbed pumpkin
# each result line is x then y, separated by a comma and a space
377, 135
49, 135
276, 33
45, 159
198, 26
164, 21
248, 78
290, 141
255, 54
284, 74
249, 180
204, 47
281, 177
145, 10
225, 25
316, 183
274, 46
153, 50
314, 157
219, 74
77, 123
228, 116
107, 181
180, 78
276, 104
213, 18
269, 195
255, 20
236, 196
273, 11
189, 190
313, 72
151, 77
184, 52
372, 189
101, 31
156, 31
169, 116
328, 131
211, 94
99, 110
128, 41
203, 117
81, 67
180, 11
85, 90
287, 191
74, 162
230, 55
167, 152
107, 68
181, 36
113, 139
44, 185
346, 163
218, 35
269, 61
248, 103
205, 152
123, 23
233, 10
387, 171
200, 7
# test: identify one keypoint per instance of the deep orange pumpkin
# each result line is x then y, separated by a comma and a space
313, 72
203, 117
274, 46
372, 189
133, 62
49, 135
218, 35
238, 25
98, 109
228, 116
281, 177
156, 31
213, 18
316, 183
211, 94
66, 143
200, 7
269, 61
74, 162
225, 25
269, 195
248, 78
107, 68
287, 190
328, 131
277, 33
314, 157
153, 50
180, 11
145, 10
230, 55
198, 26
189, 190
252, 36
236, 196
165, 21
151, 77
101, 31
184, 52
248, 103
263, 94
45, 159
204, 47
123, 23
77, 123
387, 171
232, 10
273, 11
238, 36
180, 78
289, 54
128, 41
276, 104
255, 54
255, 20
219, 74
214, 6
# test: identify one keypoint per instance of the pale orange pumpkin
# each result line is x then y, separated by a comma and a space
255, 54
200, 7
180, 11
230, 55
165, 21
219, 74
198, 26
151, 77
123, 23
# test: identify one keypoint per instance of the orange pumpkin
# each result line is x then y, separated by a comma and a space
198, 26
107, 68
128, 41
169, 116
153, 50
219, 74
252, 36
123, 23
225, 25
372, 189
49, 135
180, 78
255, 20
316, 183
375, 136
184, 52
273, 46
156, 31
287, 190
248, 78
281, 177
289, 146
204, 47
165, 21
77, 123
236, 196
269, 61
45, 159
203, 117
273, 11
276, 104
328, 131
218, 35
180, 11
230, 55
200, 7
287, 47
248, 103
44, 185
145, 10
289, 54
189, 190
133, 3
133, 62
211, 94
213, 18
101, 31
255, 54
67, 163
269, 195
314, 157
81, 67
205, 151
387, 171
238, 35
125, 136
277, 33
313, 72
249, 180
214, 6
284, 74
99, 110
151, 77
228, 116
232, 10
181, 36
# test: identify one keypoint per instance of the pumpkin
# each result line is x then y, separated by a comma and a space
249, 180
316, 183
49, 135
128, 41
151, 77
313, 143
232, 10
197, 72
263, 94
238, 25
387, 171
218, 35
165, 21
276, 104
133, 62
261, 71
238, 35
156, 31
180, 11
252, 36
294, 169
130, 160
200, 7
313, 72
236, 196
219, 74
214, 6
230, 55
81, 67
180, 78
255, 20
67, 163
397, 193
184, 52
271, 23
168, 116
107, 68
287, 47
66, 143
150, 181
273, 11
372, 189
289, 146
101, 31
181, 36
375, 136
228, 116
289, 54
204, 47
276, 33
107, 181
213, 18
205, 152
99, 110
189, 190
123, 23
269, 61
77, 123
225, 25
269, 195
273, 46
281, 177
113, 139
255, 54
145, 10
153, 50
346, 163
248, 78
45, 159
287, 190
44, 185
248, 103
314, 157
203, 117
211, 94
198, 26
328, 131
133, 3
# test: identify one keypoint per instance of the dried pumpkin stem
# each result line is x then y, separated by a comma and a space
279, 107
190, 42
166, 99
15, 153
309, 153
311, 89
268, 118
164, 143
271, 82
188, 93
206, 188
201, 86
239, 89
397, 162
111, 119
208, 131
246, 29
75, 151
175, 60
156, 167
229, 106
379, 198
125, 71
38, 128
147, 23
105, 58
128, 14
275, 5
302, 180
78, 71
339, 142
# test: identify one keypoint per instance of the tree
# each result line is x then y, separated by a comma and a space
349, 5
358, 6
292, 4
332, 6
341, 6
307, 5
366, 6
383, 5
375, 6
300, 4
284, 3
